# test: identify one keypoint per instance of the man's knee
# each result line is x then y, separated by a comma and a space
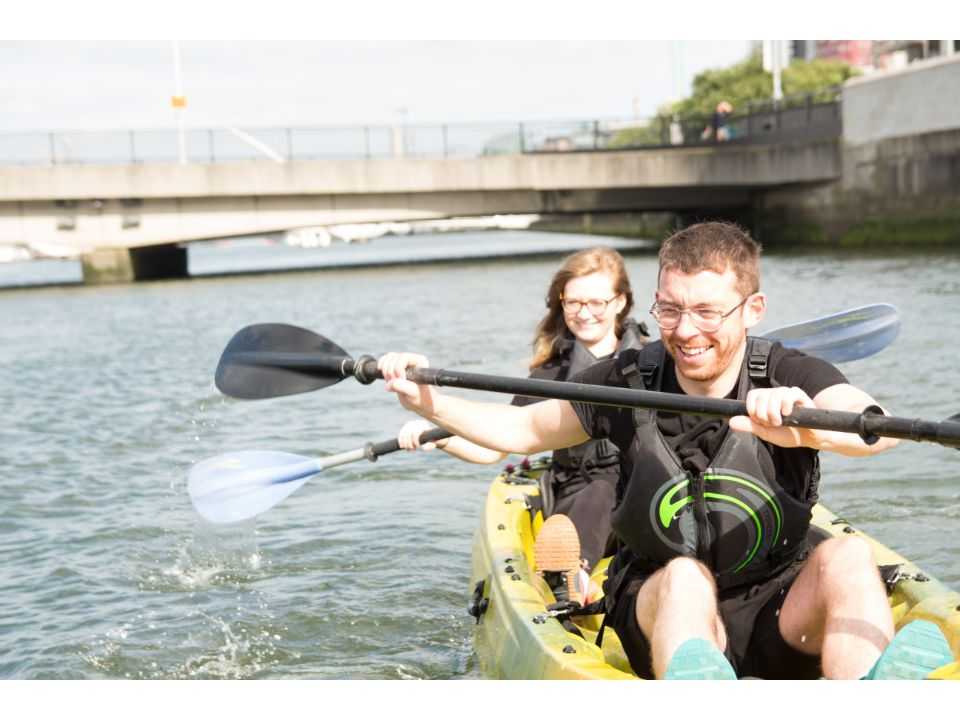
846, 559
686, 575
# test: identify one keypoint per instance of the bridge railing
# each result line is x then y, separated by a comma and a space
798, 117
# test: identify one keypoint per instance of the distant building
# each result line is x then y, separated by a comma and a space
894, 54
858, 53
870, 55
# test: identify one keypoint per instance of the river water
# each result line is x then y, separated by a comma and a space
109, 399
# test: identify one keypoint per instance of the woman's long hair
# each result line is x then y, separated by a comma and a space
552, 327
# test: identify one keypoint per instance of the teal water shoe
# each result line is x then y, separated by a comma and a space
916, 651
698, 659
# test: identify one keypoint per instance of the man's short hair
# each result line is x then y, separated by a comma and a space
716, 246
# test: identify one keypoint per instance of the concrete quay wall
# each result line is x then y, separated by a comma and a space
921, 98
900, 178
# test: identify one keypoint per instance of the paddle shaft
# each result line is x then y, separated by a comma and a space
372, 451
869, 424
375, 450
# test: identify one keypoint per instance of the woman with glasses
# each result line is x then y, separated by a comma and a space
588, 304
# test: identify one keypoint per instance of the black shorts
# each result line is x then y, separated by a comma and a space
751, 615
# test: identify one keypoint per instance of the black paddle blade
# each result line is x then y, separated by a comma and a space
273, 360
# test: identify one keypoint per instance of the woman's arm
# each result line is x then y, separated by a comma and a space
409, 439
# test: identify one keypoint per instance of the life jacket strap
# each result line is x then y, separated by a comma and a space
640, 368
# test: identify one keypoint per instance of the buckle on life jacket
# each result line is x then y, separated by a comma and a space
646, 373
757, 362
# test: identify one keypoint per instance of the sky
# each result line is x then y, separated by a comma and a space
107, 64
82, 84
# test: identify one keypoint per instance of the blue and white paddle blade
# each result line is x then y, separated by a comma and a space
237, 486
843, 337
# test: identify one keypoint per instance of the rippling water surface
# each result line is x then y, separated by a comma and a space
109, 398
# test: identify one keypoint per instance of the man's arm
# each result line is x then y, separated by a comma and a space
768, 406
535, 428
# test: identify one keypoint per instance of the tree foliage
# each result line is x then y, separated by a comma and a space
740, 84
747, 82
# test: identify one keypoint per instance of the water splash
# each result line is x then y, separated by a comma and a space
217, 649
214, 556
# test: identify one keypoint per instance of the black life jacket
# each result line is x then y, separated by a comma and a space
731, 513
575, 358
571, 469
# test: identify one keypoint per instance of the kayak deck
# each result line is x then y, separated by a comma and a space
517, 638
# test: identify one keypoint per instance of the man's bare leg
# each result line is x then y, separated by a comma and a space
677, 603
838, 608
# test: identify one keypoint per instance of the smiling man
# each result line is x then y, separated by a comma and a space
715, 576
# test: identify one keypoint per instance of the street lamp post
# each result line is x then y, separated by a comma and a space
773, 62
777, 69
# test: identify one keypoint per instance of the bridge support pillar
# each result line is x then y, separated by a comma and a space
107, 266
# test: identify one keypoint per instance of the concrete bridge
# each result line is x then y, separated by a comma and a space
106, 211
789, 168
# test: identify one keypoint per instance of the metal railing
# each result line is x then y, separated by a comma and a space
807, 116
798, 117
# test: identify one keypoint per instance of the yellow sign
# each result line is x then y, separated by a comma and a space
178, 101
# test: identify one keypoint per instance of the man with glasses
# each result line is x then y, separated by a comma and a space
714, 567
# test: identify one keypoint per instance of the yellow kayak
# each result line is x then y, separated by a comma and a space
516, 636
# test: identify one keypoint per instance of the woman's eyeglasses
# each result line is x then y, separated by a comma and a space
596, 307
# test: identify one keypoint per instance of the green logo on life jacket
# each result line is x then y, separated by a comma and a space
752, 501
669, 508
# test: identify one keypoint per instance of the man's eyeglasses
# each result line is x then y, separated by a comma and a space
704, 319
596, 307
